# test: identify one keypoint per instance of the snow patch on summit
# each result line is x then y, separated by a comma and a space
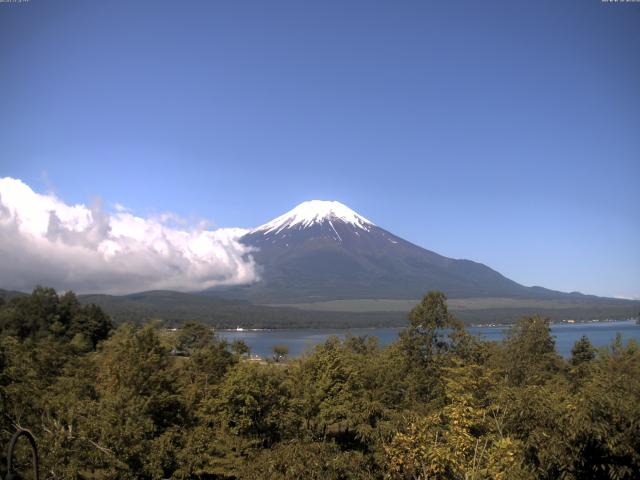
312, 212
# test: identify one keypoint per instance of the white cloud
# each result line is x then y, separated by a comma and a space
46, 241
628, 297
120, 208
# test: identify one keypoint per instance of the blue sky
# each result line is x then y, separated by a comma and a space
503, 132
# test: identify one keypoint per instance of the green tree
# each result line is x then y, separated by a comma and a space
32, 316
329, 391
194, 335
529, 355
582, 351
462, 439
137, 404
602, 431
92, 323
253, 402
44, 313
425, 341
308, 460
205, 368
240, 348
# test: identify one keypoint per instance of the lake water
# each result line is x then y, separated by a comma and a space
261, 342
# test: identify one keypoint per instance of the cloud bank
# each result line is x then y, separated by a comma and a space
46, 241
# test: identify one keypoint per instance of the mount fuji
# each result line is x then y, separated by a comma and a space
324, 265
323, 250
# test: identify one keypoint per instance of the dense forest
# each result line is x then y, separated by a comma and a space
146, 403
173, 308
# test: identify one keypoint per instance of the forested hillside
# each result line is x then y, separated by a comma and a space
172, 308
122, 404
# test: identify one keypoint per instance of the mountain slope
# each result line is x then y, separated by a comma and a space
174, 307
326, 251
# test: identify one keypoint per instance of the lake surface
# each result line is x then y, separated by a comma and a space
261, 342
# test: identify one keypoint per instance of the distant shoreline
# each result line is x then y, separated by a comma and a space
477, 325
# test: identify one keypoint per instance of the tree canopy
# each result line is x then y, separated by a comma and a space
143, 402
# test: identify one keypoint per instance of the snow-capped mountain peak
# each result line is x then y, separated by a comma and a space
312, 212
